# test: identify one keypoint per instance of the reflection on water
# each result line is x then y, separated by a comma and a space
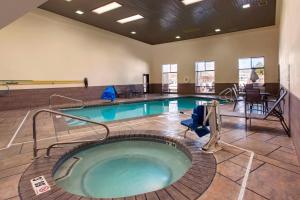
133, 110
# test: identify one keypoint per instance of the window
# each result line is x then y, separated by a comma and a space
251, 70
205, 77
169, 78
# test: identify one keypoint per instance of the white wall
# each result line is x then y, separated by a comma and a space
45, 46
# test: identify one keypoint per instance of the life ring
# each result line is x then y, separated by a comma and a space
186, 79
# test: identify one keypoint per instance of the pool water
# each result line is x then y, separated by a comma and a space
133, 110
123, 169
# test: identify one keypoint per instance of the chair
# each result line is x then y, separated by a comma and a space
120, 92
252, 98
248, 87
236, 97
273, 100
137, 90
196, 123
275, 111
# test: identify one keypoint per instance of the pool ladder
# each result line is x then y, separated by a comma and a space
68, 98
34, 133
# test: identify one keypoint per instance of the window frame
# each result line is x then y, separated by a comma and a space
205, 70
251, 66
169, 91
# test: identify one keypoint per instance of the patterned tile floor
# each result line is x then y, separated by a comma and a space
274, 174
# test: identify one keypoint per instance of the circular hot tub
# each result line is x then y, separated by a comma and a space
138, 164
122, 168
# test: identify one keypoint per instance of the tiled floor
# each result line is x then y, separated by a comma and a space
274, 174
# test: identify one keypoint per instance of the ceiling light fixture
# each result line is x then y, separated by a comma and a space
106, 8
217, 30
68, 0
245, 6
130, 19
178, 37
133, 32
188, 2
79, 12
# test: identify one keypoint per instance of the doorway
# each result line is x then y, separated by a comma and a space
146, 84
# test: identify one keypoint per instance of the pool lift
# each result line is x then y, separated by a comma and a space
206, 120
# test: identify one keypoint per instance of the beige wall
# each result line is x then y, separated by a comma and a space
290, 46
45, 46
225, 49
289, 60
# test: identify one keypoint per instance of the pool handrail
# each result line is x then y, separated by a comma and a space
65, 97
34, 133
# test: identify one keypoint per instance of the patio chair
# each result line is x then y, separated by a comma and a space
236, 98
235, 86
248, 86
275, 111
196, 123
253, 98
137, 90
272, 100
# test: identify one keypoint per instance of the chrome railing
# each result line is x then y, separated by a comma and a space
34, 134
65, 97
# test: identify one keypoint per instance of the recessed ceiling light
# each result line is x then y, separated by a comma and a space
188, 2
133, 32
130, 19
246, 5
217, 30
106, 8
68, 0
178, 37
79, 12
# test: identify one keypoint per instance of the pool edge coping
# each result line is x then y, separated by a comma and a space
173, 191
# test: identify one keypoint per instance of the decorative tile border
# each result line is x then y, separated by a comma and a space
190, 187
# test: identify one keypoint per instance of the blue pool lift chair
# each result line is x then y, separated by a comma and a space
196, 123
109, 94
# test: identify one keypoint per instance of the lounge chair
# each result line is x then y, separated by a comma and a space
236, 97
275, 111
196, 123
120, 92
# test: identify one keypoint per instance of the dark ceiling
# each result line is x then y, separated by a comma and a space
166, 19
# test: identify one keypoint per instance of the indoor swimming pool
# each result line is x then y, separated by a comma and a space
134, 110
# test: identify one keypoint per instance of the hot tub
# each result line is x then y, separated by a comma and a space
122, 168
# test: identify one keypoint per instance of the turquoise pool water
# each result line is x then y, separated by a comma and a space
133, 110
123, 169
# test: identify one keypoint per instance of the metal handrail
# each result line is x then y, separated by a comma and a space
35, 149
65, 97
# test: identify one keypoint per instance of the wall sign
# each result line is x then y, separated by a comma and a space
40, 185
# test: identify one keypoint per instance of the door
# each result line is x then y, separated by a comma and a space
146, 83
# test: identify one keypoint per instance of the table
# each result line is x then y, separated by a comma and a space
264, 95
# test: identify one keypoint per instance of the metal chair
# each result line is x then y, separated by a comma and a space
252, 98
236, 97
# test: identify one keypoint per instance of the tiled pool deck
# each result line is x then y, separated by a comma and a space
275, 171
